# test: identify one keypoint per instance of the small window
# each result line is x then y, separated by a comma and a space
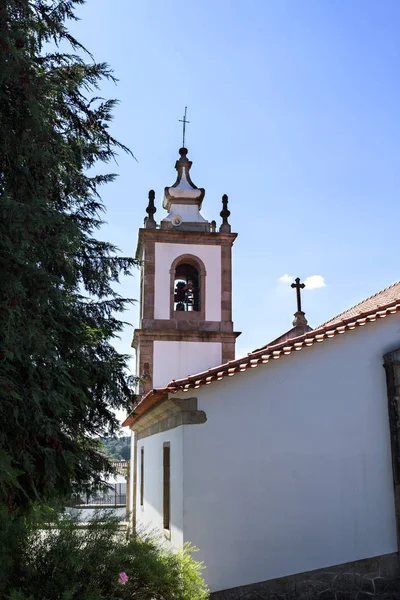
166, 487
186, 288
142, 477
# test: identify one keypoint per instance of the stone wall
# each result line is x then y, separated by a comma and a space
373, 578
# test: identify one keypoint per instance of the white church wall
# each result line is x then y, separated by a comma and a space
165, 254
130, 505
292, 470
150, 517
179, 359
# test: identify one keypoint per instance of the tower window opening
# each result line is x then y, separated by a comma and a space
186, 288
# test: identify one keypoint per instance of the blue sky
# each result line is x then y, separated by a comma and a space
294, 113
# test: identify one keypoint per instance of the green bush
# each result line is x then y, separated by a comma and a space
83, 562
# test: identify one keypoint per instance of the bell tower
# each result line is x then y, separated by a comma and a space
185, 286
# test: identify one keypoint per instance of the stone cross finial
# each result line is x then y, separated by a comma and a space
151, 209
299, 315
299, 286
225, 227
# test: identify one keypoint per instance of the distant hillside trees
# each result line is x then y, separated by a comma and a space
118, 448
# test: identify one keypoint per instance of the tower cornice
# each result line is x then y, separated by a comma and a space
179, 336
183, 237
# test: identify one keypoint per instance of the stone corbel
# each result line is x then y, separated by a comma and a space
169, 414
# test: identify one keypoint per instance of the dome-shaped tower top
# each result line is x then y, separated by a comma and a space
183, 199
183, 191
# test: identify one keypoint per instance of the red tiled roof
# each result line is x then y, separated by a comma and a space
147, 401
377, 307
386, 296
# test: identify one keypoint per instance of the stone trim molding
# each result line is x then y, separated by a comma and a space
169, 414
185, 201
190, 324
172, 236
148, 281
392, 369
186, 226
361, 579
176, 335
226, 284
198, 264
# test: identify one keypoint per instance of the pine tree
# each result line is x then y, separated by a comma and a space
60, 376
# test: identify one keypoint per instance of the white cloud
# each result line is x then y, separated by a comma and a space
286, 278
314, 282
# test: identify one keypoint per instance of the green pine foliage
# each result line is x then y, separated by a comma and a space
83, 563
60, 376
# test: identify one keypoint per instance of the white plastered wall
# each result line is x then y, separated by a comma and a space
150, 517
165, 254
292, 470
172, 360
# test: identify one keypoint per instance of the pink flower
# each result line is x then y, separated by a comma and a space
123, 578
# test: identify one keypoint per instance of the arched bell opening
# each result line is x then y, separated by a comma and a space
188, 287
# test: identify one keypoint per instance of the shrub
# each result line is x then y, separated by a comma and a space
83, 562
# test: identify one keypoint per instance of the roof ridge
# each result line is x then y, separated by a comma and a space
264, 355
390, 304
355, 305
321, 329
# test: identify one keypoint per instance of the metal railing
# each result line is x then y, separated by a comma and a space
113, 497
120, 465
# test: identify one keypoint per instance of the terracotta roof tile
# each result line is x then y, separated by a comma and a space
376, 307
389, 294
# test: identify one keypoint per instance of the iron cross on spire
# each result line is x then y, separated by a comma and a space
184, 126
299, 286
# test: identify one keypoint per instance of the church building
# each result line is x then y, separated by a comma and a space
281, 466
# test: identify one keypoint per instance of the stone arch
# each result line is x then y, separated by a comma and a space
197, 263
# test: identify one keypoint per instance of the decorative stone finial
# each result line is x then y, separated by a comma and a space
299, 319
183, 190
225, 226
298, 286
183, 200
151, 209
299, 315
